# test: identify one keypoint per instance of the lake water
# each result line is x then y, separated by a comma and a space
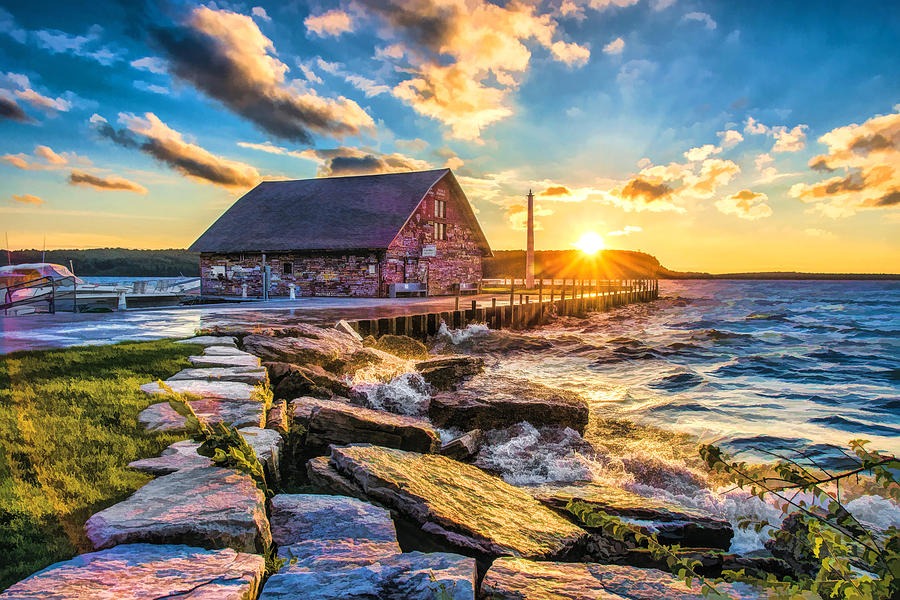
753, 366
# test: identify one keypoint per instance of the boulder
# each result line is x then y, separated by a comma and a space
331, 422
317, 532
465, 447
295, 381
248, 375
224, 361
223, 390
445, 372
402, 346
672, 523
323, 477
267, 445
329, 348
210, 340
146, 572
345, 327
521, 579
410, 576
207, 507
498, 401
468, 508
277, 418
161, 417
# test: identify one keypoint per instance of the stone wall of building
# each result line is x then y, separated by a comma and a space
314, 274
456, 259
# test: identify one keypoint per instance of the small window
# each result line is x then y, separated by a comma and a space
288, 268
440, 231
440, 209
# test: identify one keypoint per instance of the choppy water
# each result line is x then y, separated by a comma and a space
753, 366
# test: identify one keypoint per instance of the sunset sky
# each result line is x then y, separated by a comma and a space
718, 136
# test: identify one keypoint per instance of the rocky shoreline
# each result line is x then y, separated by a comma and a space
375, 499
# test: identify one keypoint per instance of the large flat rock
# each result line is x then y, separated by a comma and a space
224, 390
292, 381
207, 507
672, 523
446, 372
224, 361
266, 443
409, 576
161, 417
469, 508
331, 422
210, 340
248, 375
146, 572
326, 532
306, 344
224, 351
499, 401
520, 579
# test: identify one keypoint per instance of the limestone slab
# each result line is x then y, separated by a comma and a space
410, 576
445, 372
248, 375
224, 351
207, 507
331, 422
224, 361
161, 417
224, 390
146, 572
469, 508
520, 579
210, 340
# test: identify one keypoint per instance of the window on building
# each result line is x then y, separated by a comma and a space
440, 209
440, 231
288, 268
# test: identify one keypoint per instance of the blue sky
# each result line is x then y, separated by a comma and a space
717, 135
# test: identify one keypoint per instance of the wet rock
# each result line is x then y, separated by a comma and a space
672, 523
520, 579
460, 503
207, 507
369, 341
317, 532
790, 544
266, 444
330, 422
329, 348
210, 340
146, 571
463, 448
223, 390
161, 417
445, 372
497, 402
403, 346
410, 576
224, 361
248, 375
345, 327
295, 381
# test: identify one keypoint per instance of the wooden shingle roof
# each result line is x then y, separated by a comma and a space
329, 213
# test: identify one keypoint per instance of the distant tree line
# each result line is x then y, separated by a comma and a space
113, 262
607, 264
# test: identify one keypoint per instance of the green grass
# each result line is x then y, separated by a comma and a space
68, 429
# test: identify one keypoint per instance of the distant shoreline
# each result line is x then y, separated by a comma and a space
783, 276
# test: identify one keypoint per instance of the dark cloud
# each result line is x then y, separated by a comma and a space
853, 182
890, 199
112, 182
12, 111
225, 56
819, 164
871, 143
639, 188
556, 190
182, 159
121, 137
426, 24
349, 161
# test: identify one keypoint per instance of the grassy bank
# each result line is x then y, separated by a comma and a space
68, 429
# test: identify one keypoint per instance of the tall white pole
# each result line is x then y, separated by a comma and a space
529, 252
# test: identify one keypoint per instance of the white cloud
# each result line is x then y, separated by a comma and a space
260, 13
331, 23
614, 47
702, 152
151, 87
150, 63
730, 138
635, 71
746, 205
700, 17
628, 229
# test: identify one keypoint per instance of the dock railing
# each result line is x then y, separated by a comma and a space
506, 304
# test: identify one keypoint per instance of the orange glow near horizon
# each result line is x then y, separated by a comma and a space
590, 243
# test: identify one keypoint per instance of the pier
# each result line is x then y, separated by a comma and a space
518, 310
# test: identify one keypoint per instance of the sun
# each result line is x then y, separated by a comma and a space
590, 243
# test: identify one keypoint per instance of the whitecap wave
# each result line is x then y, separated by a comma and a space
407, 394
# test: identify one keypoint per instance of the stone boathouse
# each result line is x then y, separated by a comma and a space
345, 236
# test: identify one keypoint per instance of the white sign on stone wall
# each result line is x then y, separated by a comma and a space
429, 250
